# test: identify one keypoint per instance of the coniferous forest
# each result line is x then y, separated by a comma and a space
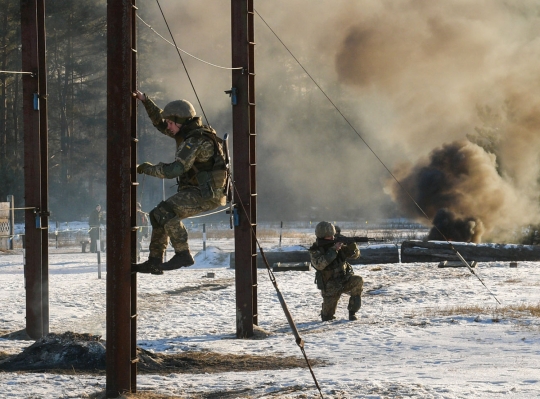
76, 35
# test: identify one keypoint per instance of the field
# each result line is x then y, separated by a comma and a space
423, 332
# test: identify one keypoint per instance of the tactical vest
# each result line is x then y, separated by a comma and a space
337, 269
211, 175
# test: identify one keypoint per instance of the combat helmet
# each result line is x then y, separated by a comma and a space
324, 229
178, 111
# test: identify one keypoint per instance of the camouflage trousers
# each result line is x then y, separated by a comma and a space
334, 288
185, 203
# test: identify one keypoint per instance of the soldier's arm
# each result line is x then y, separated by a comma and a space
320, 260
154, 113
194, 148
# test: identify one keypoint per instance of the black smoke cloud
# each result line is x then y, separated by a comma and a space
447, 227
459, 188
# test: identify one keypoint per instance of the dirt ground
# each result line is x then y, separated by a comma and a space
70, 352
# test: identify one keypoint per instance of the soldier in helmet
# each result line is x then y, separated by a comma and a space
335, 275
199, 168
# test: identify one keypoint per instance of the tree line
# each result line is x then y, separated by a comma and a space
76, 50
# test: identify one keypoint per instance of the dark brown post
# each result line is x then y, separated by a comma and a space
243, 83
32, 171
133, 203
44, 146
119, 192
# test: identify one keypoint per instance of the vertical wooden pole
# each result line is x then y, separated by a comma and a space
244, 163
44, 176
119, 191
133, 204
32, 170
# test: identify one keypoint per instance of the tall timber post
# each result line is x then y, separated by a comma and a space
244, 165
121, 182
34, 82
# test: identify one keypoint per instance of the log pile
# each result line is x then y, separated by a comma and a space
437, 251
373, 254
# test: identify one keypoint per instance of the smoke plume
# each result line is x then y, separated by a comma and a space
458, 187
455, 79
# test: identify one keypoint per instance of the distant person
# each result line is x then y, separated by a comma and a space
142, 231
95, 221
335, 276
200, 171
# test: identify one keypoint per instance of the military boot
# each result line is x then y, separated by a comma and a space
180, 259
326, 317
152, 266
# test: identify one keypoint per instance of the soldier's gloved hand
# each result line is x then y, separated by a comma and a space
143, 168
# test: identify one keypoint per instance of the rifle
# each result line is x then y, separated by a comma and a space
348, 240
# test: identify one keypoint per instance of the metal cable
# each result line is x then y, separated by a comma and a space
379, 159
181, 59
298, 339
184, 51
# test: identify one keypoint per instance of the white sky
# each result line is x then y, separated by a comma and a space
401, 346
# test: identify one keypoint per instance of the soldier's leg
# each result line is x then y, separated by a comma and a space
159, 216
354, 287
329, 306
93, 241
187, 202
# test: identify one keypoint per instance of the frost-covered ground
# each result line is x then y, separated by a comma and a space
423, 331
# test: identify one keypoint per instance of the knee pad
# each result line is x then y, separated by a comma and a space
355, 302
161, 214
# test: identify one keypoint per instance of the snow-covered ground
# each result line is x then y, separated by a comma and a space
423, 331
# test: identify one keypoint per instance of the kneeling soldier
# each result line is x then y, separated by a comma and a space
335, 276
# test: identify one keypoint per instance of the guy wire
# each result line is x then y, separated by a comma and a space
181, 59
376, 156
183, 51
299, 340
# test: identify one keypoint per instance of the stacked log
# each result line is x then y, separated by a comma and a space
436, 251
372, 254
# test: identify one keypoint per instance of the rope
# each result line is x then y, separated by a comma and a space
184, 51
17, 72
298, 339
181, 59
208, 214
378, 158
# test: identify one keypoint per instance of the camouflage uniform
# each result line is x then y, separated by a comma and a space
335, 277
195, 151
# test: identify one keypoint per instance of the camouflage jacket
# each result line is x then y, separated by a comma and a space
196, 150
333, 264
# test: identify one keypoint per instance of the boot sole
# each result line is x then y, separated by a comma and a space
165, 267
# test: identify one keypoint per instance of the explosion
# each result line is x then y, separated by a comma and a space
461, 192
